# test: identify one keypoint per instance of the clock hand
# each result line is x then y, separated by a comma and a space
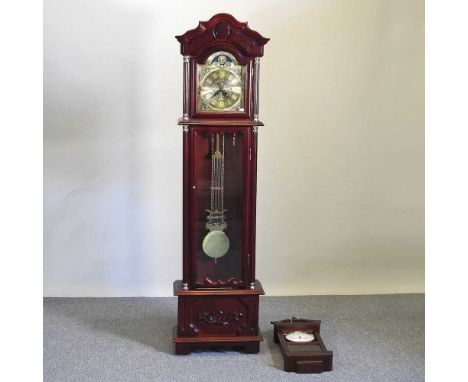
216, 93
226, 94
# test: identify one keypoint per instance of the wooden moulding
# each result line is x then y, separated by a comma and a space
179, 291
222, 29
184, 346
315, 359
219, 122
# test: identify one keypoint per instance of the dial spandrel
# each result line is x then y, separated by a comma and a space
221, 84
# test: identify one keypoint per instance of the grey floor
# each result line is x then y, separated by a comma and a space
374, 338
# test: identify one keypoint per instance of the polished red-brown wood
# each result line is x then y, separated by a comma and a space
226, 122
179, 291
221, 32
315, 360
219, 307
217, 317
222, 29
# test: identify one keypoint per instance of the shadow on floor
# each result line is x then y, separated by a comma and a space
276, 357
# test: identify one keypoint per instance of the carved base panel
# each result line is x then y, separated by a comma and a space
218, 316
227, 318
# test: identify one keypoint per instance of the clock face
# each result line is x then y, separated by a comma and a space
299, 336
221, 89
221, 84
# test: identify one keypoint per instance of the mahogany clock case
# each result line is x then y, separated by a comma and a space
218, 296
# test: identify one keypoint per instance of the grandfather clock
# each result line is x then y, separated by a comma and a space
218, 295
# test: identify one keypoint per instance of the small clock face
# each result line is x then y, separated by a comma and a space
221, 84
299, 336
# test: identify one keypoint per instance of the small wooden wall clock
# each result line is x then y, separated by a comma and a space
218, 295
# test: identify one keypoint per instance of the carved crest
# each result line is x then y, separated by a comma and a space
220, 317
230, 282
222, 30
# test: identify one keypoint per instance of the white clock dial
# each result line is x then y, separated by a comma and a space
299, 336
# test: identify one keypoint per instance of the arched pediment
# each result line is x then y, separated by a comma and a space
222, 30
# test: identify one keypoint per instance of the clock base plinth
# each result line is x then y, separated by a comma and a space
209, 318
247, 344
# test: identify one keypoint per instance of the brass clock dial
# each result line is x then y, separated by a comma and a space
221, 89
221, 84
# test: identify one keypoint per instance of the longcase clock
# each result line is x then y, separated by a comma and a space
218, 295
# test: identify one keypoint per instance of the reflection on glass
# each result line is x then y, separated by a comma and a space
218, 206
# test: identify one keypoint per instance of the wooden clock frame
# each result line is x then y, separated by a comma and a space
221, 312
